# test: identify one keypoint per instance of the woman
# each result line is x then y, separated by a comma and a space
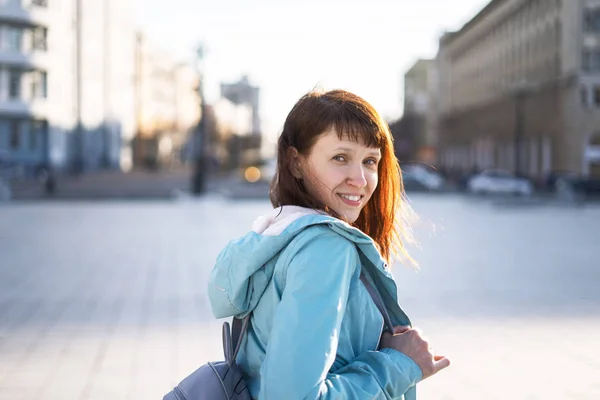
315, 332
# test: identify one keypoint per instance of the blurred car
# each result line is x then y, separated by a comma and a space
420, 177
555, 180
499, 182
571, 184
412, 184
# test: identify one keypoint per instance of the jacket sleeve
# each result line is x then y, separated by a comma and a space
304, 337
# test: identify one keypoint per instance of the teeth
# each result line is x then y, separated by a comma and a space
351, 198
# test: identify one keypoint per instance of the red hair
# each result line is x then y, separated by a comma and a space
355, 119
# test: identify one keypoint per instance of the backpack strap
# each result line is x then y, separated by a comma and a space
232, 338
238, 330
411, 393
378, 302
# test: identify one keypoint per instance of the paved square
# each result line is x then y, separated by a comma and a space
107, 300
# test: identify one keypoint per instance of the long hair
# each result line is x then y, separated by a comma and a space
355, 119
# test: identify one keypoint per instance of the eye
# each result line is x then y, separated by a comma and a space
371, 161
339, 158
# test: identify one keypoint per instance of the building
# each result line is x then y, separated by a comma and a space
242, 92
24, 63
235, 143
520, 89
166, 103
66, 83
104, 65
237, 115
418, 126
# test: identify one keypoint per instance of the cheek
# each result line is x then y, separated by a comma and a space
324, 177
372, 180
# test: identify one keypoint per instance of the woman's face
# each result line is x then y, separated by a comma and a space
342, 174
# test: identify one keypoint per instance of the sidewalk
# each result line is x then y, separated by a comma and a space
105, 185
108, 300
136, 185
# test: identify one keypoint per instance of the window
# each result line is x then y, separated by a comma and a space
39, 39
14, 83
591, 60
597, 95
15, 135
39, 3
14, 38
37, 130
584, 95
4, 134
591, 20
39, 85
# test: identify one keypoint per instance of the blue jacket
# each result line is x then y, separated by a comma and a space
314, 329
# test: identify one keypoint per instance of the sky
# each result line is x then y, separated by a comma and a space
289, 47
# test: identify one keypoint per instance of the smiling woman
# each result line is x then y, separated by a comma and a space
311, 280
334, 144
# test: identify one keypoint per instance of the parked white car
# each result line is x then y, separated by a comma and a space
499, 182
428, 178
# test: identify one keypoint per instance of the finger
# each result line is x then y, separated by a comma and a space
440, 363
417, 330
401, 329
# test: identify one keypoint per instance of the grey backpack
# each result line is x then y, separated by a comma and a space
219, 380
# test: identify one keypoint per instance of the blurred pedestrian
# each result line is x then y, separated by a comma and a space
45, 174
304, 273
50, 182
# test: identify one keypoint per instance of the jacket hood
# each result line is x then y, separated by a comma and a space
242, 271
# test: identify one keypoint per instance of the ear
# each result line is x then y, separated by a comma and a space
295, 159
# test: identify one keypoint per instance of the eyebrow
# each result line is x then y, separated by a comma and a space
349, 150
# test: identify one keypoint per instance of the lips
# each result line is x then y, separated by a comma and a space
353, 200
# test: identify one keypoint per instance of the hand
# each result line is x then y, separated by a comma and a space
410, 342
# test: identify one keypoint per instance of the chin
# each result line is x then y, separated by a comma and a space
348, 214
351, 217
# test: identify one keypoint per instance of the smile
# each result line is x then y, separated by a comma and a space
352, 200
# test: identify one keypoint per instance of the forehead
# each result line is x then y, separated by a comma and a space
330, 140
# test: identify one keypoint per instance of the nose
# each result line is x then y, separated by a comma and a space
356, 176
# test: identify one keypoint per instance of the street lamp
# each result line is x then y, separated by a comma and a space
79, 148
200, 164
